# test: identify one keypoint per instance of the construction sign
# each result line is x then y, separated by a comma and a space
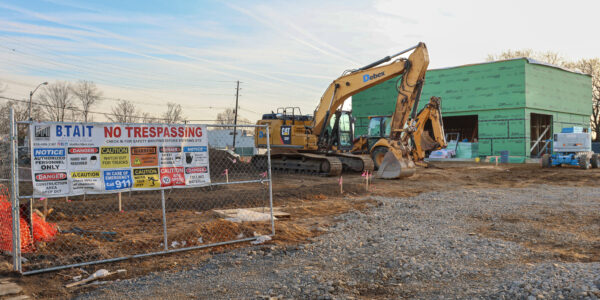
172, 176
146, 178
144, 156
75, 158
84, 181
114, 157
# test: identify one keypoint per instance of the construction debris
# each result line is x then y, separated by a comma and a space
102, 273
256, 214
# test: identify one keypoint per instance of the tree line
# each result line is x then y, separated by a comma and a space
76, 102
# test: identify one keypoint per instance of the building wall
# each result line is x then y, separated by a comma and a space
553, 89
502, 94
483, 87
566, 96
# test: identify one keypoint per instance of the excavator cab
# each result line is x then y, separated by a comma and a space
379, 126
342, 130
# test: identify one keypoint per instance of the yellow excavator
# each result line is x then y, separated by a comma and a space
426, 133
316, 144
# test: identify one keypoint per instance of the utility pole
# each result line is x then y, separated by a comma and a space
237, 94
31, 97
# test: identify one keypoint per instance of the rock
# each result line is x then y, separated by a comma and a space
20, 297
9, 288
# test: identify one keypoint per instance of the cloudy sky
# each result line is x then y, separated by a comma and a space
283, 52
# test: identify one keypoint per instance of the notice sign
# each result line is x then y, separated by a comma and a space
75, 159
195, 156
49, 159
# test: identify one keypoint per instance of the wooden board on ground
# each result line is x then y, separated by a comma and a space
253, 214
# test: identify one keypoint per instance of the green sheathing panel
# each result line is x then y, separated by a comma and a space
499, 85
553, 89
501, 130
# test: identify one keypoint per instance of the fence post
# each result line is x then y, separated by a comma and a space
164, 217
270, 180
14, 178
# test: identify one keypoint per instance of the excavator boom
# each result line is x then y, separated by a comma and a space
304, 143
361, 79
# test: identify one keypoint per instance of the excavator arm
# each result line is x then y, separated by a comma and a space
412, 71
421, 138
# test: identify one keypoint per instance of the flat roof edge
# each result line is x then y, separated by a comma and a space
529, 60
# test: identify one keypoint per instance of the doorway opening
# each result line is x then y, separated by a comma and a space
541, 133
461, 128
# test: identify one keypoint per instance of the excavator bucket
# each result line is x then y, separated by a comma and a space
395, 166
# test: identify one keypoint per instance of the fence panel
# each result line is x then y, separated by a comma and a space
73, 231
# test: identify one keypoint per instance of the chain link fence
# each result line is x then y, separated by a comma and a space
63, 232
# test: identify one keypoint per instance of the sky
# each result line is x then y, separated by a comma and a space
285, 53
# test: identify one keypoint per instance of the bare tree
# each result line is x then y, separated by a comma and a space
550, 57
149, 118
226, 117
124, 112
592, 67
21, 111
88, 95
174, 114
56, 100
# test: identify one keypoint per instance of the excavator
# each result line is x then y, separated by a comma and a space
312, 144
427, 122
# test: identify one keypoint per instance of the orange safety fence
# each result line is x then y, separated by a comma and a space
42, 230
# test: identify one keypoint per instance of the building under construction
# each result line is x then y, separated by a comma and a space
511, 105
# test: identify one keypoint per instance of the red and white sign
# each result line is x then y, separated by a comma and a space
172, 176
51, 184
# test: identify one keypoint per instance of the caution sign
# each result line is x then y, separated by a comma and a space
114, 157
49, 159
83, 158
117, 179
195, 156
172, 176
86, 181
146, 178
52, 184
144, 156
170, 156
196, 176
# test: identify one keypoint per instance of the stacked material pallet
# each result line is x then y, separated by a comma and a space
464, 149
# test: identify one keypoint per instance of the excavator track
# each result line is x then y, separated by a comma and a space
355, 163
303, 163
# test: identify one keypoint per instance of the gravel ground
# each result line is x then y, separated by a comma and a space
425, 247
